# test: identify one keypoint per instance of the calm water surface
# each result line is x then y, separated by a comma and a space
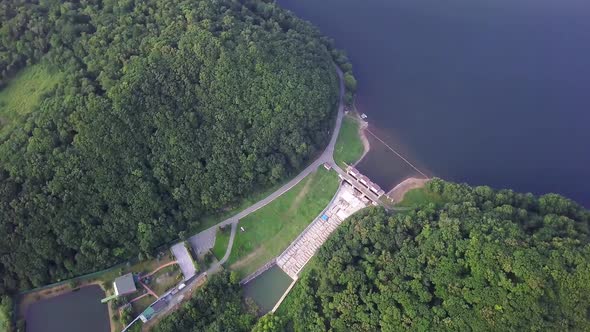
79, 311
485, 92
267, 288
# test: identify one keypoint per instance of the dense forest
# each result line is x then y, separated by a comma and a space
482, 260
167, 110
217, 306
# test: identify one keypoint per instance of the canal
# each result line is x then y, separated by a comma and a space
76, 311
267, 288
486, 92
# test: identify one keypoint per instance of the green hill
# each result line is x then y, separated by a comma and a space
166, 112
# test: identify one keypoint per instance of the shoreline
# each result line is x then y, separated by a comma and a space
353, 113
364, 139
399, 191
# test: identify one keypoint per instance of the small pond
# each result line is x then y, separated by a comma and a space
267, 288
75, 311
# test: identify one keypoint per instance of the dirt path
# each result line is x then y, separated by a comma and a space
398, 192
301, 195
246, 260
159, 268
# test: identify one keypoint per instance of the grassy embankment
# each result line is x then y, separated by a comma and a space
349, 146
230, 211
5, 315
221, 242
23, 93
419, 197
271, 229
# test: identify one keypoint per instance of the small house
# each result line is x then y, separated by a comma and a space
124, 284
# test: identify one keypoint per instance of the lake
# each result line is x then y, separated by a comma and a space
76, 311
492, 92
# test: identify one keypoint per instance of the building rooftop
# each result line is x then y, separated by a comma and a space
147, 314
125, 284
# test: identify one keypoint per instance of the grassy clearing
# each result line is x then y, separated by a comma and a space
214, 219
349, 146
221, 242
271, 229
165, 279
140, 305
23, 93
419, 197
4, 321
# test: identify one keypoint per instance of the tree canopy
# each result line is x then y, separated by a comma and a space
168, 110
217, 306
483, 261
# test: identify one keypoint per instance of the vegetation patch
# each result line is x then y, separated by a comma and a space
221, 242
485, 261
349, 146
165, 279
6, 310
217, 306
271, 229
24, 92
420, 197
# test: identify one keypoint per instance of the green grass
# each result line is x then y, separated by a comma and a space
271, 229
4, 321
140, 305
419, 197
245, 202
221, 241
349, 146
141, 267
23, 93
166, 281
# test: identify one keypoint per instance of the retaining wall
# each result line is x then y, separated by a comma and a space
260, 271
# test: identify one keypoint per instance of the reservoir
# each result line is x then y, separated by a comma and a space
267, 288
76, 311
493, 92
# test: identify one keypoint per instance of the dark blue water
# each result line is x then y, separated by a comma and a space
485, 92
78, 311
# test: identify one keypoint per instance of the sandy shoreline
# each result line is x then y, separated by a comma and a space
364, 139
398, 192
